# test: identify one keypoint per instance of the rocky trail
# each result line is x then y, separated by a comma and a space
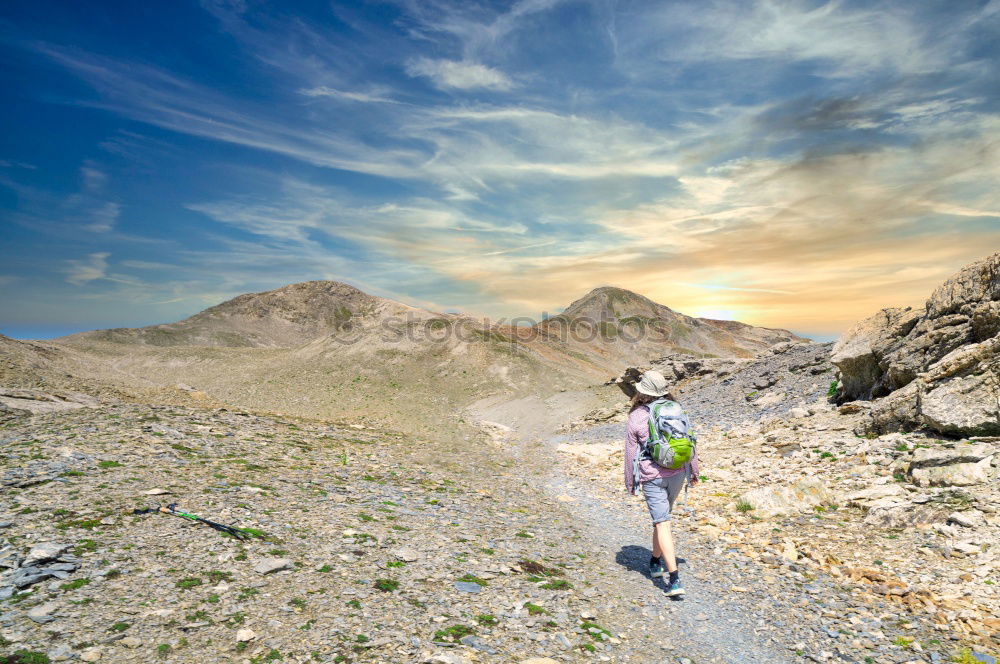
708, 625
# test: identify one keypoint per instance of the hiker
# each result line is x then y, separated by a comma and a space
661, 484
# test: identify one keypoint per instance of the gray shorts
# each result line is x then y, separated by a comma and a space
661, 494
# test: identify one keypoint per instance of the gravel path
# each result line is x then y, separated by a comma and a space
707, 625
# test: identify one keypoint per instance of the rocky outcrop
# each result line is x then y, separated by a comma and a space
938, 367
15, 402
8, 413
861, 354
964, 464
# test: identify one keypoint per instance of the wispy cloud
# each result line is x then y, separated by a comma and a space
103, 217
842, 39
94, 179
459, 75
364, 97
83, 271
151, 95
477, 32
148, 265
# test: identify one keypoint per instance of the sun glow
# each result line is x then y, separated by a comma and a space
717, 314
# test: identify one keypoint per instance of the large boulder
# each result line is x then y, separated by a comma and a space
964, 464
938, 367
771, 500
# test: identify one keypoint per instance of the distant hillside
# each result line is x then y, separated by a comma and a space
24, 363
606, 326
327, 349
288, 316
617, 323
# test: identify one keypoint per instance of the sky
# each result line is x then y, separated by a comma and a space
788, 164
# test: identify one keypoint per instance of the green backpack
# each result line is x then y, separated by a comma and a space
671, 440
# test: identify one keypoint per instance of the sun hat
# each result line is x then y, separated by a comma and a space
653, 384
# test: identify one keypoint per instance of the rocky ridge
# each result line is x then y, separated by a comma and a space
791, 378
936, 367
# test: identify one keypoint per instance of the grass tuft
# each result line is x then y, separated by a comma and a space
454, 633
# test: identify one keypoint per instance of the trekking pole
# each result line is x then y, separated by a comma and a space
238, 533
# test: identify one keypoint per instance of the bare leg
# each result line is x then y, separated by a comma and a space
663, 545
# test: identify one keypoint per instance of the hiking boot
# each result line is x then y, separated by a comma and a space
675, 588
656, 568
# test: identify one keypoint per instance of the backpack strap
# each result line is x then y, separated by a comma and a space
654, 414
653, 433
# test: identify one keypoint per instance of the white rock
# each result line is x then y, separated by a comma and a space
92, 655
768, 400
719, 521
947, 531
131, 642
957, 474
43, 552
406, 554
890, 513
968, 547
964, 519
271, 565
865, 497
446, 658
245, 635
43, 612
156, 492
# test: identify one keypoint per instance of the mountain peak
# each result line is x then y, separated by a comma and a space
305, 300
286, 316
614, 303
